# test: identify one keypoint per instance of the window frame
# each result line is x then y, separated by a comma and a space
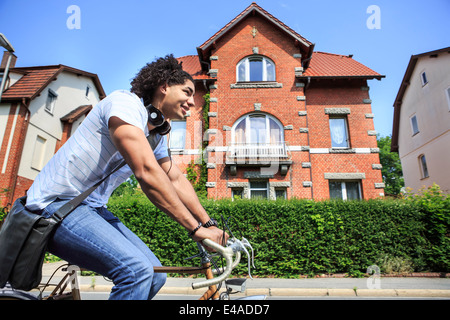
87, 91
252, 189
344, 188
247, 128
414, 125
278, 190
347, 132
173, 130
424, 172
237, 193
50, 104
423, 78
447, 94
247, 76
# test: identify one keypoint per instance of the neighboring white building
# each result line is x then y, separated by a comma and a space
421, 128
39, 110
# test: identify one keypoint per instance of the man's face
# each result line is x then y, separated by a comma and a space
177, 100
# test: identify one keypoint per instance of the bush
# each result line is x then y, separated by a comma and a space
304, 237
435, 206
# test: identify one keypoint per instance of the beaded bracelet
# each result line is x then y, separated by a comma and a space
195, 230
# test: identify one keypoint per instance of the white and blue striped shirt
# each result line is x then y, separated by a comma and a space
89, 155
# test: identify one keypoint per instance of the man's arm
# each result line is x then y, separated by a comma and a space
184, 189
134, 147
187, 194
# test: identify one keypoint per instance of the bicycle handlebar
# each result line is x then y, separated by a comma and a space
234, 246
227, 253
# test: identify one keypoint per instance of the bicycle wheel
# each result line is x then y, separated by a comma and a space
8, 293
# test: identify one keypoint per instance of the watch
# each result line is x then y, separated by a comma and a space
210, 223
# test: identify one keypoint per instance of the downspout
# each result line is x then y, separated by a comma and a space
303, 62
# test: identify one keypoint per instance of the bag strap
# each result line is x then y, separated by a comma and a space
67, 208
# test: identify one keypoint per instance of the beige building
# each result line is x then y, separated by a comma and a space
39, 109
421, 128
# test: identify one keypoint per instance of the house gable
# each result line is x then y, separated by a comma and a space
36, 79
242, 21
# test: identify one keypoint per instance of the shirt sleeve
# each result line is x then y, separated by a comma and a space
127, 108
161, 150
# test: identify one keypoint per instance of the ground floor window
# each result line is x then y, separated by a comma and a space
237, 193
345, 190
280, 193
259, 190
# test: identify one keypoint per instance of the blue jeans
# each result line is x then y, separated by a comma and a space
93, 238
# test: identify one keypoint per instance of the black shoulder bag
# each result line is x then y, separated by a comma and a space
24, 237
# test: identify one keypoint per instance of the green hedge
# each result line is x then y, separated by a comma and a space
303, 237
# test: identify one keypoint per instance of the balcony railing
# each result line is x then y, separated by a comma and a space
257, 152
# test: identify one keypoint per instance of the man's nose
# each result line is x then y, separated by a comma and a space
191, 102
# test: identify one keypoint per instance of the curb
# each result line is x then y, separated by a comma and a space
299, 292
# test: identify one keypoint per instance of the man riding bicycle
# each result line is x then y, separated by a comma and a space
117, 128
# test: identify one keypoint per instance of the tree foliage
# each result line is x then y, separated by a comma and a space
391, 167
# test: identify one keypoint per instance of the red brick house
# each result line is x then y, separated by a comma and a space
284, 121
40, 108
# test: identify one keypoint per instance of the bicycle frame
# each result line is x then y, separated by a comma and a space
205, 269
69, 278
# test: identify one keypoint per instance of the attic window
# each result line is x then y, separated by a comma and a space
423, 77
255, 69
51, 99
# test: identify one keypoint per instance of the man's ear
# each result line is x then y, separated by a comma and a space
163, 88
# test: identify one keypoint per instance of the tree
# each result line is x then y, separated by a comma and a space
392, 168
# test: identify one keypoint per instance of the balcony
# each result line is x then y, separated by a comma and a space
258, 154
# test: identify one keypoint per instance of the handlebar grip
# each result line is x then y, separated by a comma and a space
227, 253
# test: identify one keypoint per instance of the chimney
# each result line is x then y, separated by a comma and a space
5, 60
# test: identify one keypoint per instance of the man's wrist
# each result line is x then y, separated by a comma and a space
212, 222
191, 234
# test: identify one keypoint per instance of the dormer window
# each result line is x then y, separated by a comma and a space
254, 69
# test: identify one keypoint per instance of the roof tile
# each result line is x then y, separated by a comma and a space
31, 83
334, 65
191, 64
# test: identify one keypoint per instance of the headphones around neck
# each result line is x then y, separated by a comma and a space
156, 118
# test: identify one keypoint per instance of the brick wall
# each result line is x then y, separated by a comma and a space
302, 108
17, 121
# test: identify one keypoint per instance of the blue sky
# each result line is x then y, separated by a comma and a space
116, 38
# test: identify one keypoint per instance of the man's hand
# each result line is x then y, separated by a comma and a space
212, 233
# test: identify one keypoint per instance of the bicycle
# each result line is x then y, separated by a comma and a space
208, 268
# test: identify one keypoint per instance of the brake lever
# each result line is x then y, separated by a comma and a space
238, 245
246, 243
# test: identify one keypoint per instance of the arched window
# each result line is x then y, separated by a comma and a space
257, 136
255, 68
258, 128
423, 166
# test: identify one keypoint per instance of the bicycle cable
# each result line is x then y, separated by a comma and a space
41, 292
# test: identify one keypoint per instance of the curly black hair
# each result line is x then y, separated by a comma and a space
163, 70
